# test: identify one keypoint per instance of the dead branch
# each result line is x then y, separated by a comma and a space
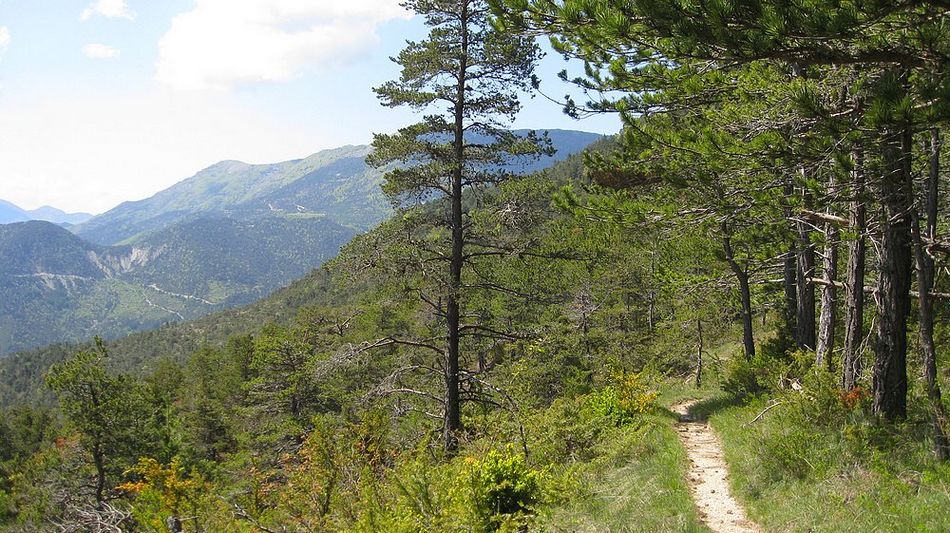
775, 403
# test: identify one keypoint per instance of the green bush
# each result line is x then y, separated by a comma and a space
624, 400
766, 372
505, 490
815, 426
744, 378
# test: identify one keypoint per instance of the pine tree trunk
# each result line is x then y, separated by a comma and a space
699, 353
98, 459
790, 278
453, 420
925, 281
745, 294
829, 298
890, 364
854, 305
805, 295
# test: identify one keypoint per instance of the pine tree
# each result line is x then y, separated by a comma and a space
466, 76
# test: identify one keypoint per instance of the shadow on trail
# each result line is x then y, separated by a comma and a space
703, 409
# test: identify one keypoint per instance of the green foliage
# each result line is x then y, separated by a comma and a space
625, 400
819, 460
165, 494
108, 412
742, 377
504, 490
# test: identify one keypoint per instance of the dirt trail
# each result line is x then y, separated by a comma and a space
707, 476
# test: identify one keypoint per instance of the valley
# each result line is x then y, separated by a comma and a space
231, 234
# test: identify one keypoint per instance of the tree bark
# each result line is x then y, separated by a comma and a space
805, 294
925, 281
894, 282
745, 294
790, 277
699, 353
852, 363
98, 459
453, 420
829, 298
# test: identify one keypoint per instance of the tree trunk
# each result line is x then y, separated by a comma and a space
453, 420
829, 297
745, 294
98, 459
651, 302
890, 364
925, 281
173, 523
854, 306
790, 277
805, 295
699, 353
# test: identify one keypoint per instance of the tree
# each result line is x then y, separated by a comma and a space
468, 75
901, 50
107, 411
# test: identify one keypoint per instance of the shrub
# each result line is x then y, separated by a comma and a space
505, 489
743, 377
766, 372
625, 399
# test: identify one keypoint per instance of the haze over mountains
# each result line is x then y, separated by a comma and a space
10, 213
227, 236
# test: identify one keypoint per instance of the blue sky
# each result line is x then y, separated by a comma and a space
103, 101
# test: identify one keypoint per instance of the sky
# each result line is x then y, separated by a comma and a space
105, 101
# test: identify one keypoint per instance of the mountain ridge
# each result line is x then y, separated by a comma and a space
228, 236
336, 183
11, 213
55, 286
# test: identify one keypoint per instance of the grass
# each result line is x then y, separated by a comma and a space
896, 488
792, 475
636, 484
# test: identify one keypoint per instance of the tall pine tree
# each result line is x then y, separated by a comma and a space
466, 77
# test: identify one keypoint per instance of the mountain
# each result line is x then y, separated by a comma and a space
21, 374
10, 213
58, 216
333, 183
55, 286
228, 236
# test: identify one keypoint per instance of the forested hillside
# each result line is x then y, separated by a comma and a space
228, 236
763, 247
56, 287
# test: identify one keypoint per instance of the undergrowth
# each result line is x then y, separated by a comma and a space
813, 458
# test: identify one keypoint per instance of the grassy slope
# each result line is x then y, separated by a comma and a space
894, 485
901, 490
636, 484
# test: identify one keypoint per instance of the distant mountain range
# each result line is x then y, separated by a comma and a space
10, 213
336, 184
227, 236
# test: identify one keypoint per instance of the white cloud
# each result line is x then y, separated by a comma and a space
108, 9
100, 51
224, 42
4, 40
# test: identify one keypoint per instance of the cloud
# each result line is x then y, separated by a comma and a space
221, 43
100, 51
109, 9
4, 40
